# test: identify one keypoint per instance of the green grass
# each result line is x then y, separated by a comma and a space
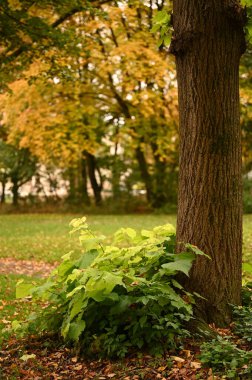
46, 237
247, 237
11, 308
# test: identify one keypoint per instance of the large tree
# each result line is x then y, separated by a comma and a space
208, 42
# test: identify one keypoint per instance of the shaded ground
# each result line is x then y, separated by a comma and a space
50, 362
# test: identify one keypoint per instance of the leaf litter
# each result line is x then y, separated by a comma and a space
26, 267
36, 358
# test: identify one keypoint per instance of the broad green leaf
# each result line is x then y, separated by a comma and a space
75, 290
43, 291
164, 230
162, 17
79, 303
91, 243
155, 28
147, 233
87, 259
182, 263
23, 289
77, 222
97, 288
160, 41
196, 250
130, 232
167, 39
67, 256
65, 267
75, 329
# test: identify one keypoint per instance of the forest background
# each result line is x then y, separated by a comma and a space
89, 109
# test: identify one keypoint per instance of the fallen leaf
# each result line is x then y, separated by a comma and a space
187, 353
161, 369
195, 365
78, 367
178, 359
27, 357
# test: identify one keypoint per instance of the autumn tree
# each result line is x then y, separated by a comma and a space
109, 84
208, 42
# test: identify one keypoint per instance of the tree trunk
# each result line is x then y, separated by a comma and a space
208, 42
84, 190
160, 180
15, 188
145, 175
72, 185
92, 168
3, 192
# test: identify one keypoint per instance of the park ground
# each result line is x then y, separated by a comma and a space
30, 246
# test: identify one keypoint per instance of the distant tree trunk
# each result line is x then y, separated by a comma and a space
116, 175
160, 180
72, 185
92, 169
116, 171
145, 175
3, 192
208, 42
15, 187
84, 189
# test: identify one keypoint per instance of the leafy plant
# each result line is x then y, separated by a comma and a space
243, 315
243, 322
247, 289
118, 297
224, 356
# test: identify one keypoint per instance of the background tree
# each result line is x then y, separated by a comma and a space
16, 165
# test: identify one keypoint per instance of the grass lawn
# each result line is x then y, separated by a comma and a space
46, 237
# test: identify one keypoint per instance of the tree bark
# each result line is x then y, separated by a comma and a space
3, 192
145, 175
72, 185
15, 187
84, 189
160, 180
208, 42
92, 168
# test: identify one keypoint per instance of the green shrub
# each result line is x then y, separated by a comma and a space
247, 293
242, 315
247, 195
118, 297
225, 357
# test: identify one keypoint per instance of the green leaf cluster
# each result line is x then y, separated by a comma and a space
118, 297
224, 356
162, 23
242, 316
